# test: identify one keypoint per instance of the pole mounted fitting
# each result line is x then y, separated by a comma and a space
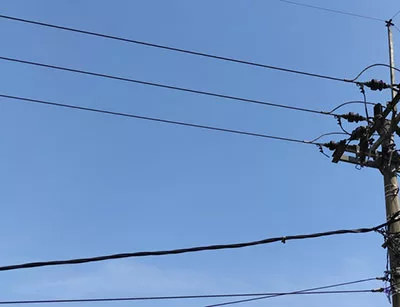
332, 145
338, 148
352, 117
376, 85
339, 151
389, 23
378, 111
358, 133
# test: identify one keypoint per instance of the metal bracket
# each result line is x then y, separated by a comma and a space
354, 160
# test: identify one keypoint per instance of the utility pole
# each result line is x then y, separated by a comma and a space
391, 186
366, 154
389, 25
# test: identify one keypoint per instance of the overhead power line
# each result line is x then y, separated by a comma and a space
180, 50
395, 15
178, 297
299, 292
351, 102
188, 90
155, 119
331, 10
372, 66
283, 239
327, 134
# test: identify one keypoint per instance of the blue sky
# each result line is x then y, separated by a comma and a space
77, 184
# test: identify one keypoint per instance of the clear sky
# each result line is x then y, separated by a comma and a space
77, 184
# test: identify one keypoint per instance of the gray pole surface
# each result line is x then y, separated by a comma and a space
389, 25
391, 187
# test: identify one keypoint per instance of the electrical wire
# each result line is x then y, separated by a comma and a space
177, 297
148, 44
350, 102
56, 104
188, 90
107, 76
294, 292
339, 121
371, 66
201, 53
326, 134
283, 239
332, 11
395, 15
365, 102
193, 90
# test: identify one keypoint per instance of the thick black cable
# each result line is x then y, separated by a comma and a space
197, 248
178, 297
332, 11
202, 54
56, 104
170, 87
294, 292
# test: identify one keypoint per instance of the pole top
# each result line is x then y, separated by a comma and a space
389, 22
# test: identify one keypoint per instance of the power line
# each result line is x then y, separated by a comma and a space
327, 134
197, 248
332, 11
351, 102
148, 44
298, 292
371, 66
178, 297
56, 104
188, 90
395, 15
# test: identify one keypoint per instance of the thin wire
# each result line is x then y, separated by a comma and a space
395, 15
178, 297
198, 248
332, 11
294, 292
326, 134
339, 120
173, 49
371, 66
350, 102
365, 102
155, 119
188, 90
200, 53
175, 87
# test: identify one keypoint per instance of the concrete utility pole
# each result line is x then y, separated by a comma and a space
389, 25
366, 154
389, 170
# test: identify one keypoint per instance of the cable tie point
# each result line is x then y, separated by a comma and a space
378, 290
